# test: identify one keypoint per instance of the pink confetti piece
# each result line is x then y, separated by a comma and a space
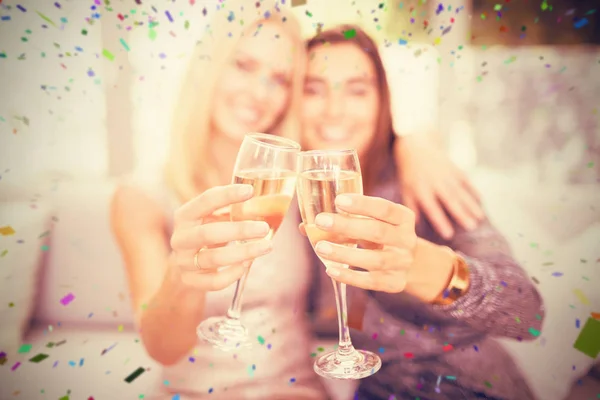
67, 299
14, 367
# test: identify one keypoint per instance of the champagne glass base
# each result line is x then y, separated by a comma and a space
356, 365
224, 333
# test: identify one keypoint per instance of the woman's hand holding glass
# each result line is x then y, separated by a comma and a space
386, 234
201, 233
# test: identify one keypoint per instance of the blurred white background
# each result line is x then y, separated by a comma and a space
86, 98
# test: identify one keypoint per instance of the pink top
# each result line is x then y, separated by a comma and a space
278, 366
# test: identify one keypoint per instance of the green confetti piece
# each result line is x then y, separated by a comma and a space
487, 384
498, 7
590, 164
64, 398
108, 55
534, 332
451, 378
40, 357
261, 340
4, 252
510, 60
588, 341
320, 349
152, 34
124, 43
25, 348
135, 374
349, 34
45, 247
48, 20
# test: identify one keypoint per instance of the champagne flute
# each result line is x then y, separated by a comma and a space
268, 163
323, 175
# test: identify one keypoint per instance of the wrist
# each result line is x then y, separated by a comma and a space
432, 270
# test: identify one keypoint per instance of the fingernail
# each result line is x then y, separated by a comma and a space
324, 248
332, 271
343, 201
324, 221
260, 228
245, 190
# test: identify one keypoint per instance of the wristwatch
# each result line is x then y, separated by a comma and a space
458, 284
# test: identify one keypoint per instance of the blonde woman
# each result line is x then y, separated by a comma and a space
246, 75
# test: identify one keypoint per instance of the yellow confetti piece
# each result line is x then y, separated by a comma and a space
7, 230
582, 298
120, 328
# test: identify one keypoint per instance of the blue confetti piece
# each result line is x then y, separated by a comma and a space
381, 350
168, 14
20, 7
231, 16
5, 18
577, 323
557, 274
402, 42
72, 363
581, 23
175, 397
210, 390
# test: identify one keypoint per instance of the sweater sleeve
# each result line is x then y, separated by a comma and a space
501, 300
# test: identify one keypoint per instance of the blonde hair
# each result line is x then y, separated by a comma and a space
188, 169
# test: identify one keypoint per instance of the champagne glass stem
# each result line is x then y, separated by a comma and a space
345, 345
235, 310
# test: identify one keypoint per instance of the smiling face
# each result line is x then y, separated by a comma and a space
341, 98
255, 85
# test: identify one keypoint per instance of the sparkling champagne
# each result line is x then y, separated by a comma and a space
273, 192
317, 190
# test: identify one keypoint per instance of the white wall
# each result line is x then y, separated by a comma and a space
66, 126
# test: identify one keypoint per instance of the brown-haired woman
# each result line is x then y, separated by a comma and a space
434, 305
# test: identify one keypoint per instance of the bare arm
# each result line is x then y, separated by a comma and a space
159, 299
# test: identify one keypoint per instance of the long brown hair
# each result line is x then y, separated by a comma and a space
378, 154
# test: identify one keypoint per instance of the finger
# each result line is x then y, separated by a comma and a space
456, 208
374, 207
370, 260
367, 280
471, 205
368, 229
198, 236
410, 202
212, 200
471, 189
472, 201
437, 216
217, 280
211, 259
